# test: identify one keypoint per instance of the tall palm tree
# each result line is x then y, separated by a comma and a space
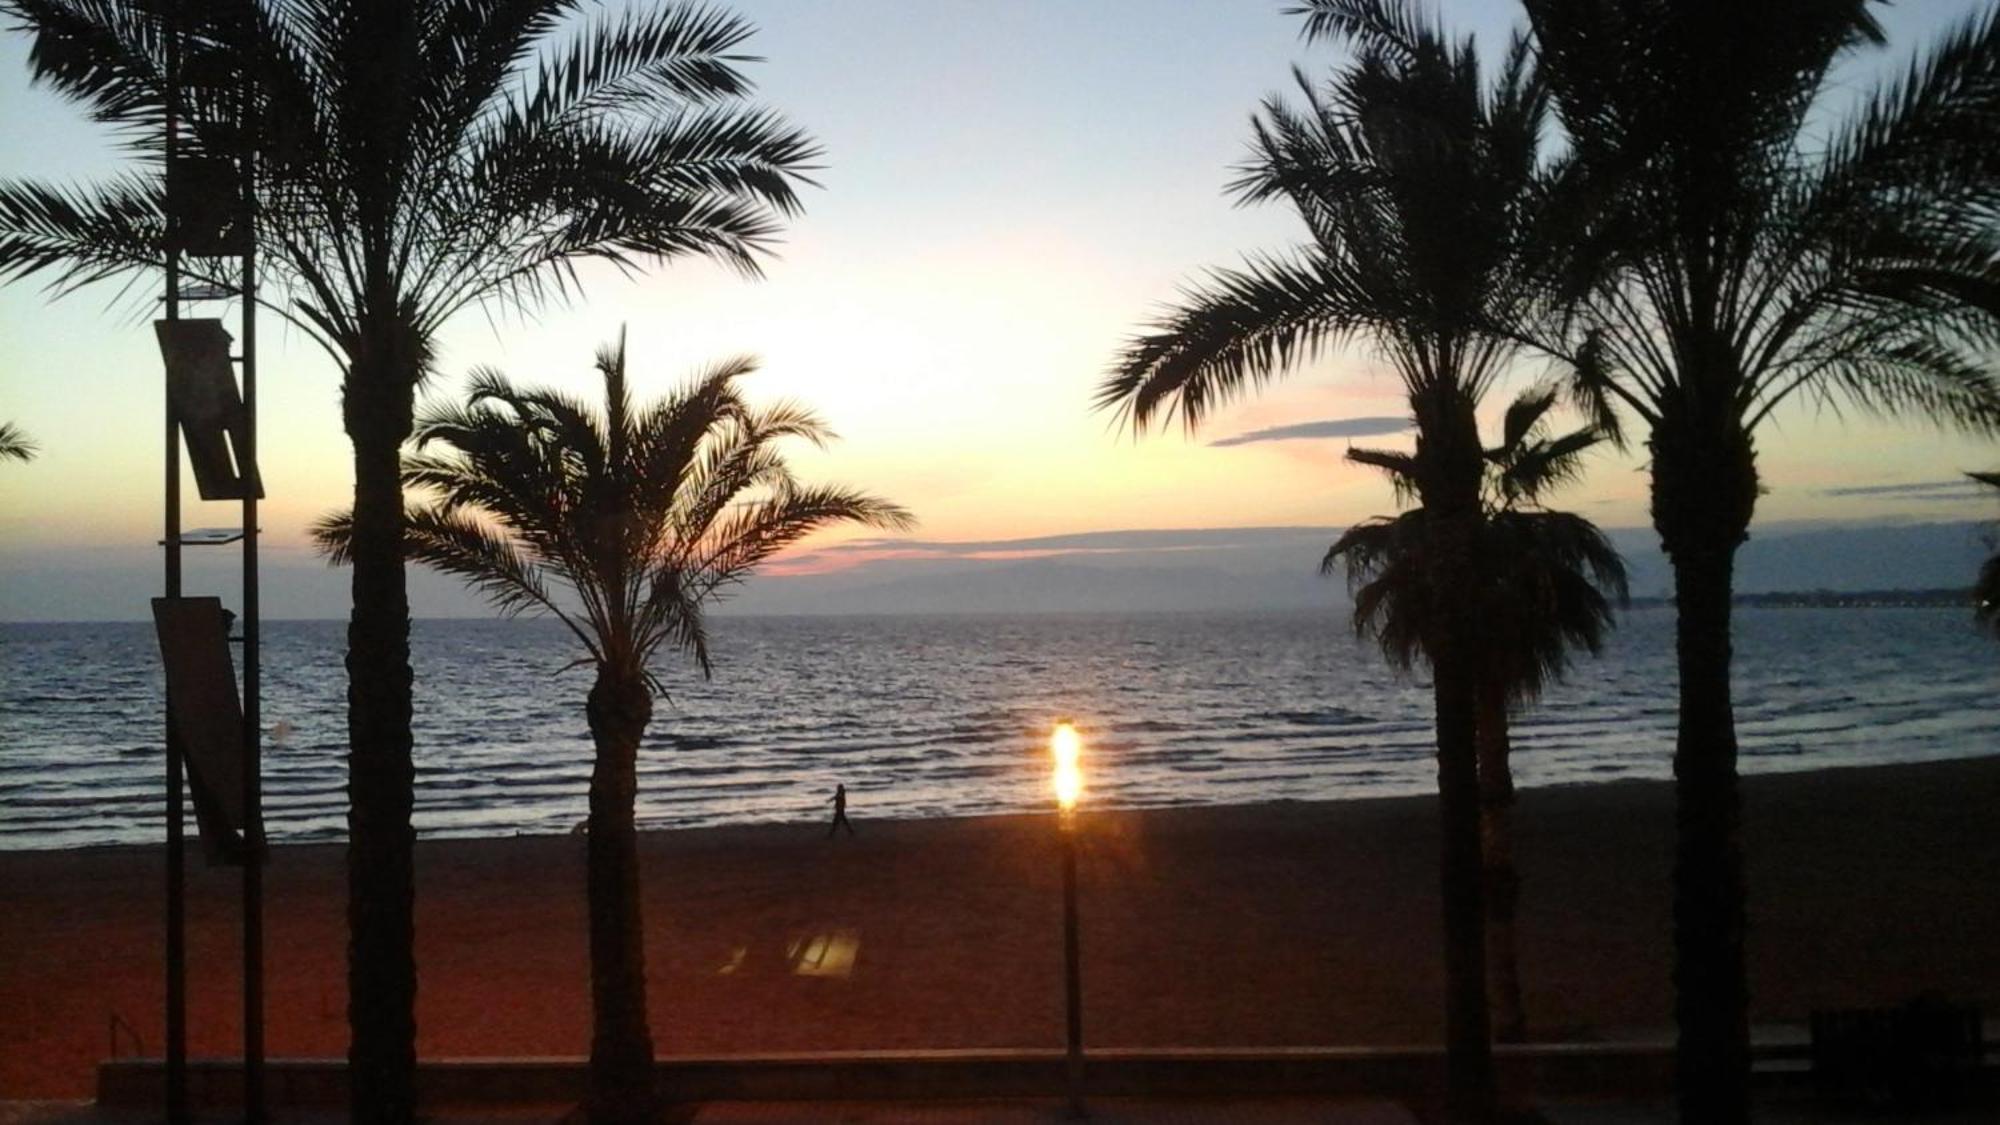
1727, 257
15, 444
1417, 181
1547, 580
413, 158
623, 525
1986, 591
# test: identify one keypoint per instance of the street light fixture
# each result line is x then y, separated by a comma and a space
1066, 747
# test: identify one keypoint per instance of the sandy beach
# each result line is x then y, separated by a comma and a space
1254, 925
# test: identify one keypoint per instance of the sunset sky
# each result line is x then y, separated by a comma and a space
1008, 191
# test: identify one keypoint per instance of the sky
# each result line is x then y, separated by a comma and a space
1009, 191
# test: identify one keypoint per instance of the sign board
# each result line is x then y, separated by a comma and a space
201, 384
205, 716
205, 199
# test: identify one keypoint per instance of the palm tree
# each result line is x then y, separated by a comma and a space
623, 525
1728, 257
1417, 182
1986, 591
413, 158
1546, 584
16, 444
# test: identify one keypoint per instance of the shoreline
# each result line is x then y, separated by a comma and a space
1272, 924
1566, 785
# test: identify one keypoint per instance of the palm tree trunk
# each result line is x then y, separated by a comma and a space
1502, 881
621, 1045
381, 872
1448, 453
1712, 996
1704, 491
1468, 1049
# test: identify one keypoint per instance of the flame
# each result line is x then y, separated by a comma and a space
1067, 748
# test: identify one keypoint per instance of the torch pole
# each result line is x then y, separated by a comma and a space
1072, 968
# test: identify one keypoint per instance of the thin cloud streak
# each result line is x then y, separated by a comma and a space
1960, 489
1135, 543
1122, 540
1326, 428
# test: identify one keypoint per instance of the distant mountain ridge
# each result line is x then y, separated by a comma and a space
1142, 571
1277, 569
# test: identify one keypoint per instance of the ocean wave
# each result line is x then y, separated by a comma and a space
941, 717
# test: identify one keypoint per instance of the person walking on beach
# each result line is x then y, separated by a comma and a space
839, 800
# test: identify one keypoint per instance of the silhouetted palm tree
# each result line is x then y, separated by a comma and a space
414, 158
1417, 182
15, 444
1986, 591
1729, 255
1546, 580
621, 524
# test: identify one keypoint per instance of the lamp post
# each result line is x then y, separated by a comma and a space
1067, 749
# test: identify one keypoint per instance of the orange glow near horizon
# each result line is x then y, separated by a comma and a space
1067, 748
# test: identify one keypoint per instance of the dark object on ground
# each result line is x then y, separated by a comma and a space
1923, 1055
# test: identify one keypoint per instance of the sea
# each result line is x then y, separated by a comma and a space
949, 716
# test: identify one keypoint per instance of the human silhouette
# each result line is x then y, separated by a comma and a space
839, 800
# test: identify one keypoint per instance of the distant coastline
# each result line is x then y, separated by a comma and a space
1933, 598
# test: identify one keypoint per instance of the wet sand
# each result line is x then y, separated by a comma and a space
1284, 924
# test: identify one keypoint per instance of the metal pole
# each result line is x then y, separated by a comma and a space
1072, 969
177, 1107
253, 780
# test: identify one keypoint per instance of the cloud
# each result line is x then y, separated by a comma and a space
1130, 545
1328, 428
1959, 489
1143, 539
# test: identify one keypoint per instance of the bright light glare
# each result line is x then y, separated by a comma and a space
1068, 751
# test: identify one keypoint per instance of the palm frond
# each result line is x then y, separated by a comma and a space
415, 159
1594, 388
1243, 328
623, 521
15, 444
1389, 576
1404, 470
1524, 414
1393, 27
1926, 378
672, 442
1748, 262
1419, 185
1542, 584
485, 557
109, 57
79, 236
664, 54
739, 456
759, 529
1927, 133
1528, 471
670, 612
1551, 581
1367, 547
